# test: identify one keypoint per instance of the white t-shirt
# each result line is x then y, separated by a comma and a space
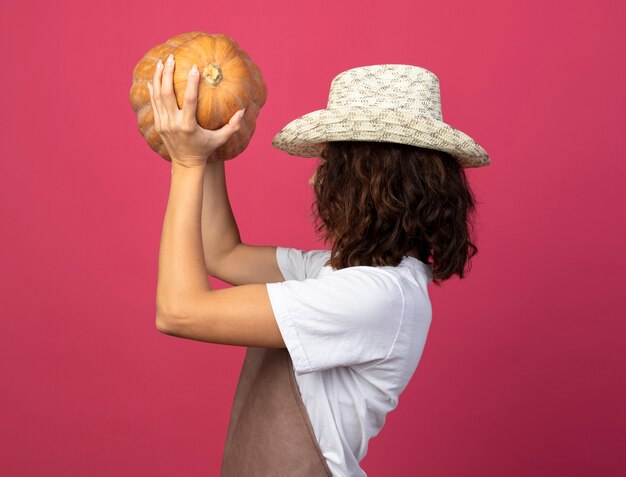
355, 337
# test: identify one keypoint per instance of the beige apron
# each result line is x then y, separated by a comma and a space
270, 433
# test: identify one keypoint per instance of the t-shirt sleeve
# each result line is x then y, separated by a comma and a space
348, 317
296, 264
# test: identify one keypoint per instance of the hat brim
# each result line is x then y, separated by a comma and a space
307, 135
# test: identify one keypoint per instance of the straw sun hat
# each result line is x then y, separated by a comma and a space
387, 103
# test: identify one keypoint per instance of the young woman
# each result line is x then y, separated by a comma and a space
333, 336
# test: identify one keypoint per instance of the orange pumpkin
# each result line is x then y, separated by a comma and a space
229, 81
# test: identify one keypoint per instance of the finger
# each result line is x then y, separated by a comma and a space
156, 92
155, 113
230, 128
190, 105
168, 99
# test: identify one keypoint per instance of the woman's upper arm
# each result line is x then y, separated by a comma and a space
248, 264
238, 316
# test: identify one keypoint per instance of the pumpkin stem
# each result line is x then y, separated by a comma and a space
212, 74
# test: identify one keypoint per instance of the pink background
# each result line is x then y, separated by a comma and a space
523, 371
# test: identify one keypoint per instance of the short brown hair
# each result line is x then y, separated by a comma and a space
376, 201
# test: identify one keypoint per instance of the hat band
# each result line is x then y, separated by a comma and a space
409, 110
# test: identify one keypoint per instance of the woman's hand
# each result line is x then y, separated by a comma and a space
188, 144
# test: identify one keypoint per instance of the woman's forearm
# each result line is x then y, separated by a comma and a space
219, 228
182, 272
